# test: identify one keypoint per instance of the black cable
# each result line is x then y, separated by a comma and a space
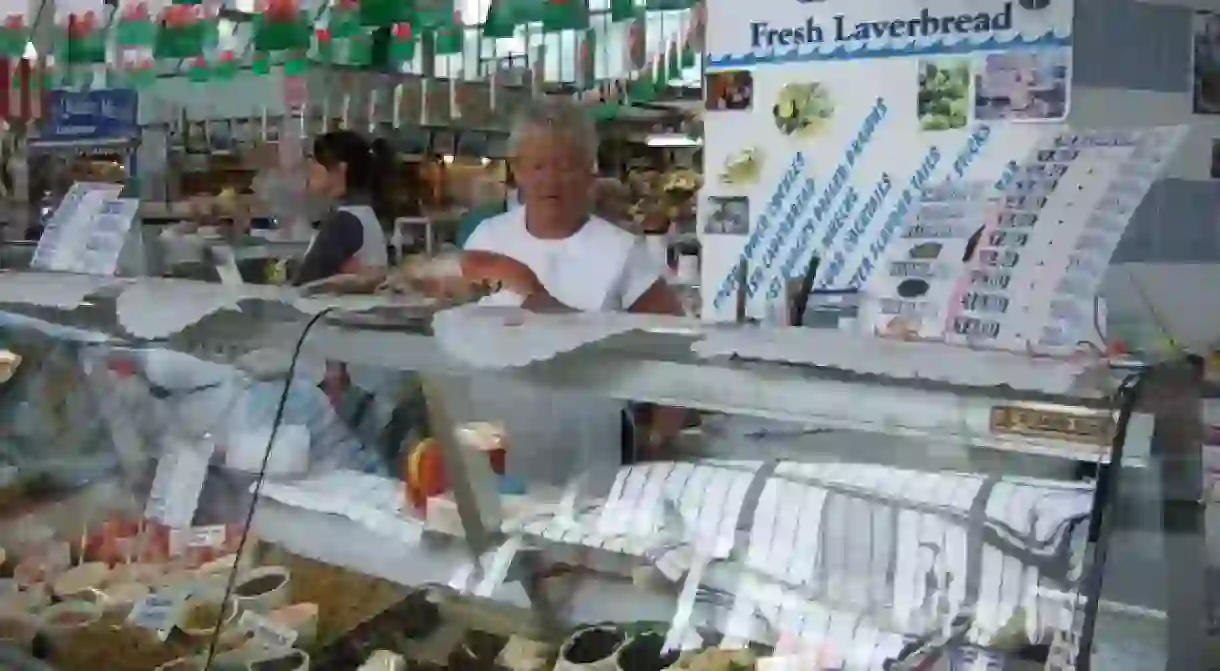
1104, 496
258, 486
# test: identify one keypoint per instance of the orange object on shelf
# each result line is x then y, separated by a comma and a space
425, 474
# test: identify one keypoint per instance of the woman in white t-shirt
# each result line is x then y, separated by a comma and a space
552, 254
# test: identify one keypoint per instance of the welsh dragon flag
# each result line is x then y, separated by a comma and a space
503, 16
565, 15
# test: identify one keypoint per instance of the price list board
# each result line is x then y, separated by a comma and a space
1071, 311
88, 230
1020, 288
921, 270
1018, 262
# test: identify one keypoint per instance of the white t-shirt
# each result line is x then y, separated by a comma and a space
600, 267
556, 436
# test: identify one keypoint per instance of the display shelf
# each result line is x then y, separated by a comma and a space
440, 560
655, 365
886, 452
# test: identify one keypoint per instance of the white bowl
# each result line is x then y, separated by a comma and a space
266, 600
230, 610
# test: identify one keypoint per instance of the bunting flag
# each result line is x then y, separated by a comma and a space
181, 33
586, 64
280, 25
451, 38
343, 21
225, 68
261, 64
324, 45
696, 30
455, 103
503, 16
402, 45
138, 69
435, 15
296, 65
83, 40
622, 10
378, 13
636, 53
13, 36
28, 81
359, 49
135, 29
565, 15
199, 72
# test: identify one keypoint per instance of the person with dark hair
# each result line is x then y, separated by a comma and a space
349, 173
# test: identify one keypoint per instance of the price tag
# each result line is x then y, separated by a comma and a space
159, 612
267, 632
212, 536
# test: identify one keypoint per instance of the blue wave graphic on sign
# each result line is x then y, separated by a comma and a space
913, 48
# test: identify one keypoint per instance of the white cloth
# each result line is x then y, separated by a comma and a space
556, 436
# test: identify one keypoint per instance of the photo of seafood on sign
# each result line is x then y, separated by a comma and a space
1023, 86
802, 109
730, 216
731, 90
944, 93
742, 168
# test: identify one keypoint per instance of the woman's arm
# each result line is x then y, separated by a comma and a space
339, 238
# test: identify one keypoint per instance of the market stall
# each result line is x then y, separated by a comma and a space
961, 472
979, 544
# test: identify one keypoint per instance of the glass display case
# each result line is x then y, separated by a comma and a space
241, 474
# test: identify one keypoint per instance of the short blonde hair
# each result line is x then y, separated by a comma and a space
556, 114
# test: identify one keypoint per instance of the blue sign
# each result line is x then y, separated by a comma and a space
105, 114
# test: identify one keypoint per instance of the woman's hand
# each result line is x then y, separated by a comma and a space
353, 283
498, 270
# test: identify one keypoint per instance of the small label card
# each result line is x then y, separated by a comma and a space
159, 612
212, 536
266, 631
